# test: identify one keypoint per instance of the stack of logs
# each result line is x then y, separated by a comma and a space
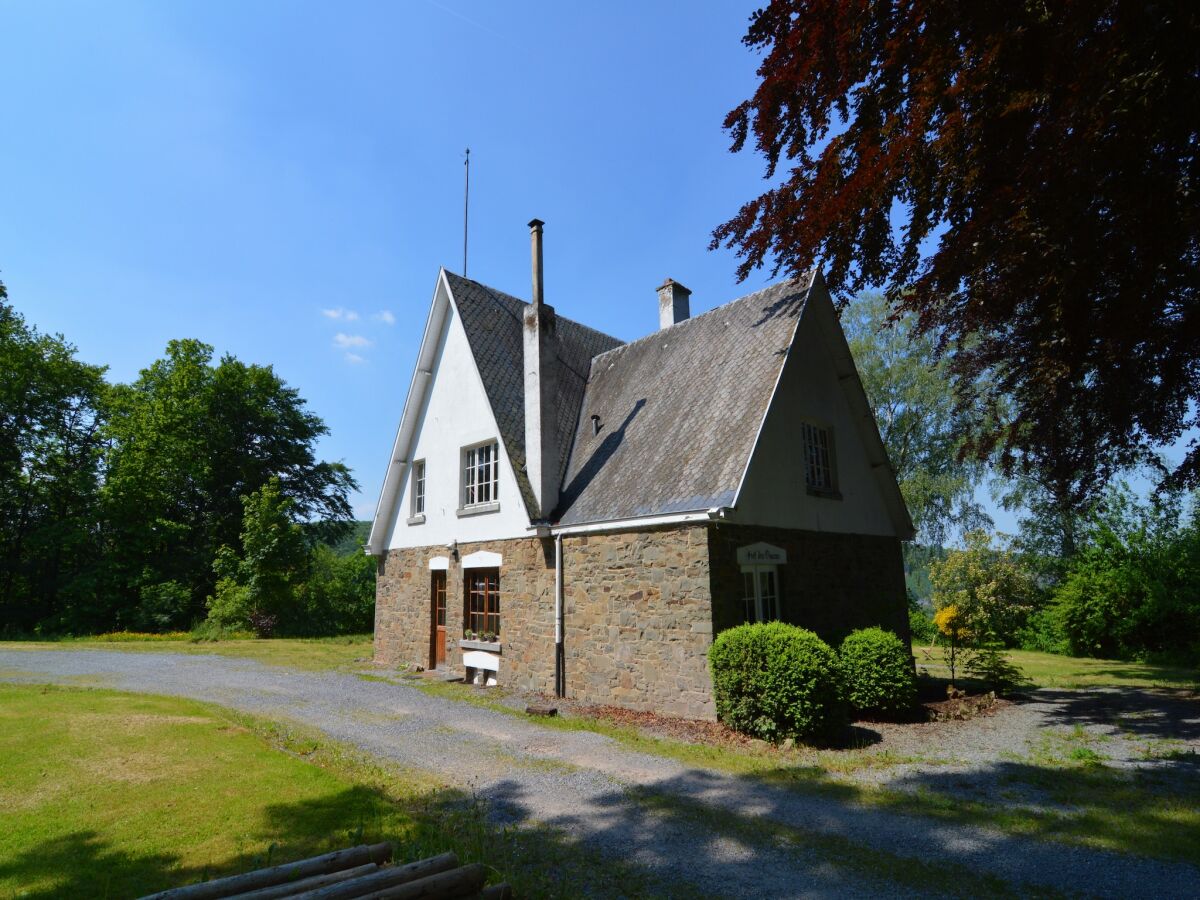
361, 873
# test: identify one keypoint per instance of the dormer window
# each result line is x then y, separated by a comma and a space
820, 471
481, 474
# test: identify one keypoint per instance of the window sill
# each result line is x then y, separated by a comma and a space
477, 510
469, 644
417, 520
823, 494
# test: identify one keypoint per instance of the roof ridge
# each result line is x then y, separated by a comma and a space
716, 309
492, 290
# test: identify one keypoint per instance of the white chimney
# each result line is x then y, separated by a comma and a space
543, 456
673, 305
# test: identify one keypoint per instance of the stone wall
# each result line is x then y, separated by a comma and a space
638, 620
636, 608
832, 583
403, 609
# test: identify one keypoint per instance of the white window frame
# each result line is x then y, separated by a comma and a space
474, 492
819, 458
760, 605
418, 488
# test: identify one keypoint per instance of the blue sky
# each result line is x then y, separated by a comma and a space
228, 171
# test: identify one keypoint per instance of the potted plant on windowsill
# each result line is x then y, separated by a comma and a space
480, 640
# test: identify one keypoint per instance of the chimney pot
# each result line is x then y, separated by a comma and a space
673, 303
535, 242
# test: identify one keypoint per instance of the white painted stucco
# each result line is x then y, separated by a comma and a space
774, 491
456, 414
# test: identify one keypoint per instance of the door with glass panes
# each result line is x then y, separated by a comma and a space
438, 604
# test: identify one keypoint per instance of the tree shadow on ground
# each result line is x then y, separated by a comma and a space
1149, 809
538, 861
83, 864
1145, 712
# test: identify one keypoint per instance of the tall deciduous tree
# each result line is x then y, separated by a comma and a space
258, 587
1023, 178
189, 440
50, 450
922, 426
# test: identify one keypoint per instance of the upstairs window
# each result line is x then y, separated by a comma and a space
819, 472
418, 488
481, 474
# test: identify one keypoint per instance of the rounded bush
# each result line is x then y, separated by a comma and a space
877, 672
775, 681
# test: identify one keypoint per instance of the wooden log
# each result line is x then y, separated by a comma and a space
260, 878
291, 888
463, 882
384, 878
541, 711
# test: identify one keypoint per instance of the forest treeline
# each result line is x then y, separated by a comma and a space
145, 506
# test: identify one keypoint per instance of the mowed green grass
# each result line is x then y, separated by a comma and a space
115, 795
342, 653
109, 794
1054, 671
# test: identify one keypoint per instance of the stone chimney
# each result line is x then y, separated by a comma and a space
543, 456
673, 306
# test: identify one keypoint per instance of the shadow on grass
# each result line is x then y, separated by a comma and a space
85, 864
537, 861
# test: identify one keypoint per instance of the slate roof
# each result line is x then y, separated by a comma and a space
492, 321
680, 411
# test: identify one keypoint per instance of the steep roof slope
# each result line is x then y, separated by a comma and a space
679, 411
492, 321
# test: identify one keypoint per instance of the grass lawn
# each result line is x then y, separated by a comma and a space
1052, 670
310, 654
109, 794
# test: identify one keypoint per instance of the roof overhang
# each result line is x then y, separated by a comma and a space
418, 391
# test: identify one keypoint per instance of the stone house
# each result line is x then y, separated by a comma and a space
566, 512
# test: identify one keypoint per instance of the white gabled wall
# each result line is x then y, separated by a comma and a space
456, 414
774, 491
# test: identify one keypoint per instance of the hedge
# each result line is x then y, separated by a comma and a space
877, 672
775, 681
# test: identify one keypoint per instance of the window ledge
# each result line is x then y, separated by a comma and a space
478, 509
469, 644
417, 520
824, 494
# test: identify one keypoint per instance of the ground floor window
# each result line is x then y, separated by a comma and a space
483, 601
760, 593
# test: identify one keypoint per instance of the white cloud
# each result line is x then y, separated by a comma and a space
385, 316
346, 341
341, 314
355, 358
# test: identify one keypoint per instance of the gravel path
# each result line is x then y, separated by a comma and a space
584, 783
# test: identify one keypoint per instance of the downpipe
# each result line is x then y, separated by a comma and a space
560, 674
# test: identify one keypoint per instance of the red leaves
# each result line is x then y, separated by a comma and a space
1052, 151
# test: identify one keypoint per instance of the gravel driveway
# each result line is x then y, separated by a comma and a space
596, 790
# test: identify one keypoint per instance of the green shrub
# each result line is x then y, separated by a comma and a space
775, 681
993, 668
877, 672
